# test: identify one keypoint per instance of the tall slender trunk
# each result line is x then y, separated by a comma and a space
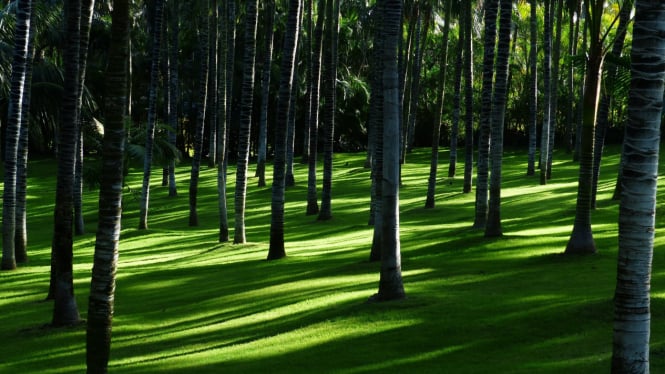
637, 210
152, 114
499, 100
204, 33
390, 284
212, 99
19, 64
21, 236
376, 191
533, 89
468, 100
247, 96
605, 97
430, 201
276, 249
421, 38
581, 239
547, 87
174, 31
65, 311
102, 284
308, 63
223, 89
312, 198
86, 20
554, 98
330, 62
485, 132
265, 96
457, 88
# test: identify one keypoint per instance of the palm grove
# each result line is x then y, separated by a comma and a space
159, 82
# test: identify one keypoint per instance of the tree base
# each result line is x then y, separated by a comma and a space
8, 264
581, 241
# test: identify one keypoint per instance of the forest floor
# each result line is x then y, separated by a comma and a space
188, 304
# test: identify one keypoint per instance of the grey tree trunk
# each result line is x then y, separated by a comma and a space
430, 201
204, 33
485, 132
499, 100
468, 100
15, 115
152, 114
276, 249
637, 209
247, 96
533, 89
547, 88
390, 284
102, 284
265, 96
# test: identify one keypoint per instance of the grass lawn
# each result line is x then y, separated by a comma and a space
188, 304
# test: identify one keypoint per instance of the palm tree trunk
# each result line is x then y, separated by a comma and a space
152, 114
605, 97
430, 201
102, 284
390, 283
174, 31
65, 311
547, 87
19, 65
308, 63
21, 236
493, 227
86, 20
247, 96
204, 33
286, 80
482, 183
637, 209
554, 99
376, 191
581, 239
468, 100
533, 89
329, 108
457, 88
312, 198
212, 99
291, 129
223, 88
265, 96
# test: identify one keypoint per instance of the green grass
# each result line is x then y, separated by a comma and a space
188, 304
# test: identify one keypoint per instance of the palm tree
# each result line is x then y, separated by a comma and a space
533, 90
485, 114
21, 236
19, 66
581, 239
436, 132
457, 88
421, 39
247, 96
276, 249
65, 311
330, 77
102, 284
547, 87
174, 31
222, 124
265, 95
604, 105
317, 49
212, 99
376, 192
554, 80
390, 284
86, 19
204, 32
309, 32
152, 113
468, 99
637, 208
493, 227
